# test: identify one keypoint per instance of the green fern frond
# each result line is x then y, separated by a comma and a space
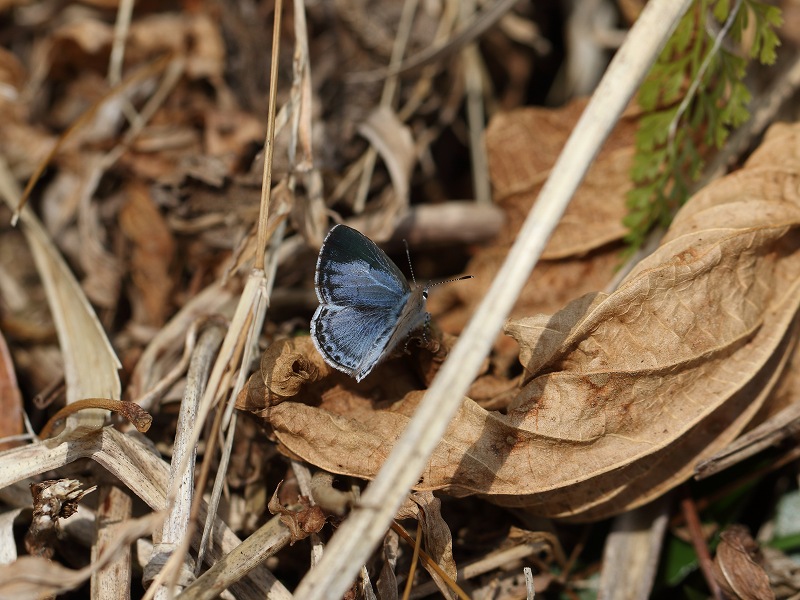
692, 98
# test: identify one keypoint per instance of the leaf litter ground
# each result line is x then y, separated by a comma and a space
602, 406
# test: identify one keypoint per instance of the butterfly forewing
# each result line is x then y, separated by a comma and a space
352, 270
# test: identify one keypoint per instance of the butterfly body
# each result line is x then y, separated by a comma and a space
367, 306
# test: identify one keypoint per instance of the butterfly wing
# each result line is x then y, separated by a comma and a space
362, 296
349, 338
353, 271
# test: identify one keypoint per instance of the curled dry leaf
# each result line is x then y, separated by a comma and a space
737, 567
623, 393
395, 144
286, 366
302, 521
427, 509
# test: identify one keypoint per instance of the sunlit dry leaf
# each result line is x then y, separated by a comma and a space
395, 145
523, 145
90, 363
778, 419
581, 256
624, 392
286, 366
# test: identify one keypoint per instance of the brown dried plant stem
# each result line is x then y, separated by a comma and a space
420, 554
140, 418
356, 538
689, 510
269, 142
414, 558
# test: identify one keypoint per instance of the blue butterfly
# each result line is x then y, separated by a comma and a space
366, 306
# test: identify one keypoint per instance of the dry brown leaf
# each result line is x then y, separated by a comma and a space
87, 42
736, 566
287, 366
523, 145
581, 256
10, 397
151, 256
427, 509
624, 392
90, 363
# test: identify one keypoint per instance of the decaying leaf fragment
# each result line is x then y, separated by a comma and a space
53, 499
737, 567
426, 508
623, 393
302, 520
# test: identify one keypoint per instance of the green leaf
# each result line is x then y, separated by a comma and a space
664, 169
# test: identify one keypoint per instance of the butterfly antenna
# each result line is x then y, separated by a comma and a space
413, 279
408, 256
451, 280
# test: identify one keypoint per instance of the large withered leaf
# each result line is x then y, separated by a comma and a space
582, 254
623, 393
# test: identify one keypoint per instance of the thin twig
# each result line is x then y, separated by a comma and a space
476, 117
430, 56
689, 511
269, 142
414, 559
121, 28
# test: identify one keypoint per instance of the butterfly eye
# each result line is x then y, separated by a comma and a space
424, 294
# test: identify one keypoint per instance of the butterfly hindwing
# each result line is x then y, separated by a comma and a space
351, 339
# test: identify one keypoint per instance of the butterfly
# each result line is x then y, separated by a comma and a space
366, 305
